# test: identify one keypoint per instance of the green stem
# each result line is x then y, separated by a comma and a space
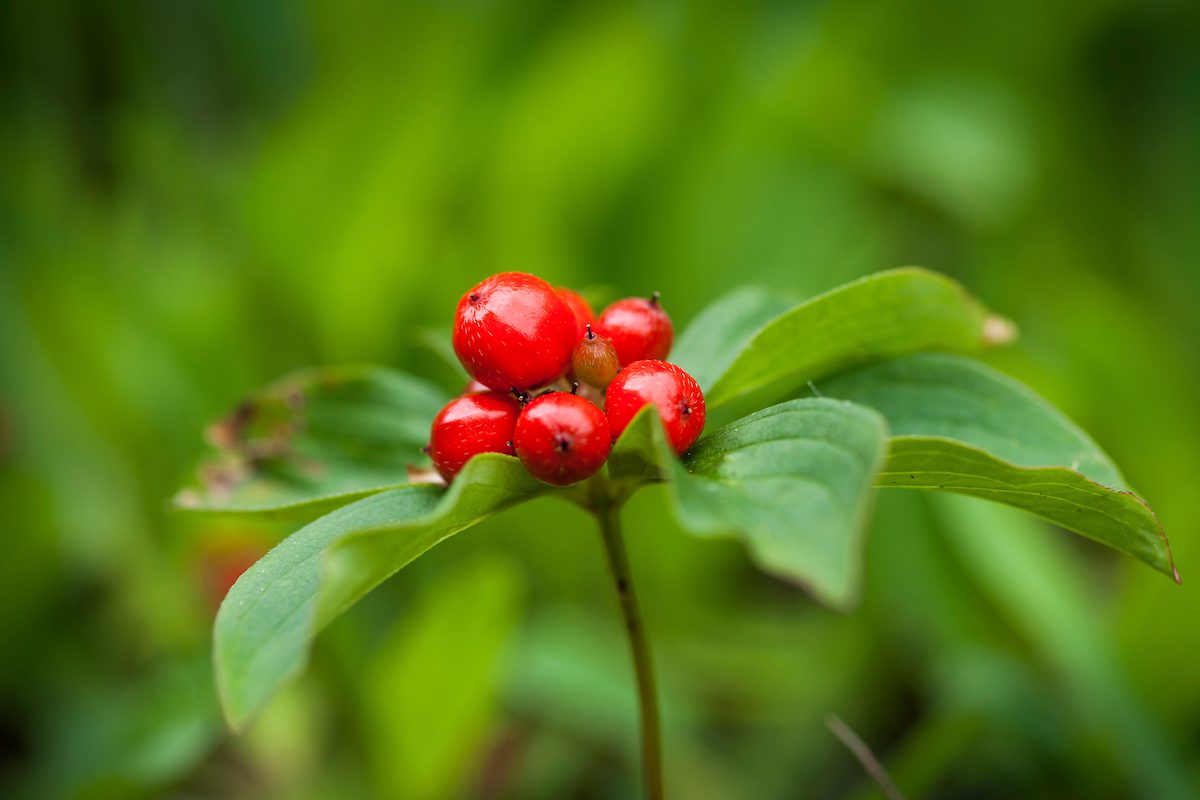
618, 562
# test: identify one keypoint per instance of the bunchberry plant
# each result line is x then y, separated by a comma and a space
865, 387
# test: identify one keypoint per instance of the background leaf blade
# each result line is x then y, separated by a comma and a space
713, 339
429, 691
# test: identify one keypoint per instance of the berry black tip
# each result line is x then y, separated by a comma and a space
654, 298
473, 298
589, 335
562, 442
685, 409
509, 443
425, 449
522, 397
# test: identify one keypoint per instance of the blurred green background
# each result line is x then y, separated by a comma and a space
196, 197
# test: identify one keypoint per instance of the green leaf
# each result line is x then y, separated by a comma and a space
714, 338
881, 316
793, 482
960, 426
267, 621
316, 440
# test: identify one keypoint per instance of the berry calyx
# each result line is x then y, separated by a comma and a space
579, 307
562, 438
638, 327
470, 425
514, 331
676, 394
594, 359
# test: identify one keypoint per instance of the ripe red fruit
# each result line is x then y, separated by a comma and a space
676, 394
594, 360
638, 327
223, 565
584, 315
470, 425
514, 331
562, 438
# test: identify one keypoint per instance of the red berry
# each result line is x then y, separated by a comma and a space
584, 315
514, 331
638, 327
222, 566
594, 360
676, 394
470, 425
562, 438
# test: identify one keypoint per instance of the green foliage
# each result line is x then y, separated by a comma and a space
199, 197
881, 316
269, 617
956, 398
794, 482
430, 690
711, 341
1120, 520
959, 426
1038, 585
314, 441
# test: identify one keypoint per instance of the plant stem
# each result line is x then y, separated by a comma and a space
614, 547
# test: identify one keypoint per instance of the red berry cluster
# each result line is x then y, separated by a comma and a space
554, 384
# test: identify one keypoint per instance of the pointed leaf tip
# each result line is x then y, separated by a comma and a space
998, 330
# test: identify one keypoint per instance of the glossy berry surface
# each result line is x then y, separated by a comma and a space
638, 328
514, 331
676, 394
584, 315
562, 438
594, 360
470, 425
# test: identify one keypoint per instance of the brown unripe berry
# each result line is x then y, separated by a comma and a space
594, 360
